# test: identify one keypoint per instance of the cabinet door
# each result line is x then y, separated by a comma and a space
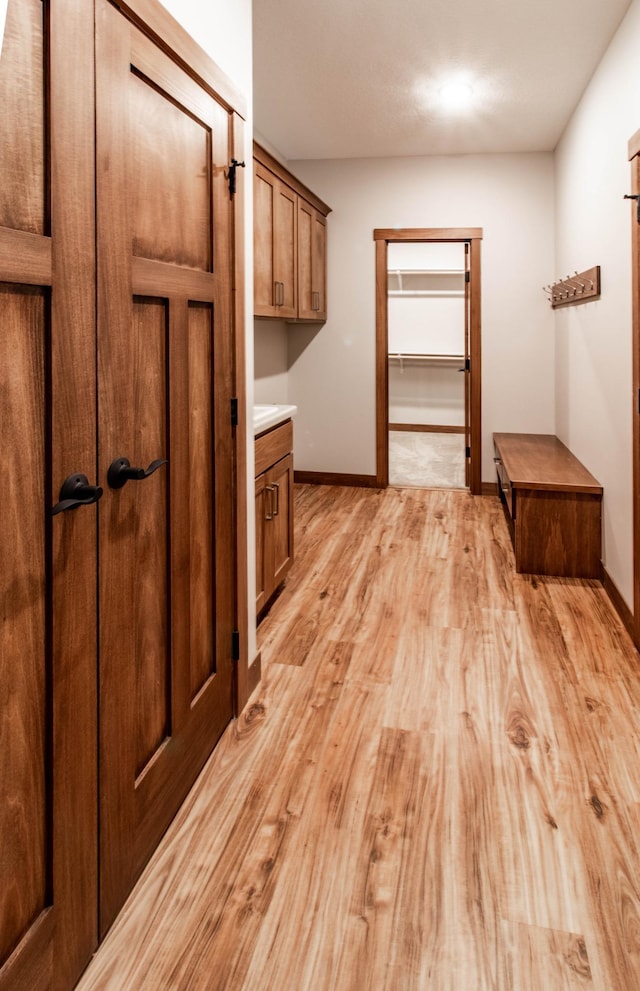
312, 238
262, 521
264, 276
306, 224
164, 378
319, 267
280, 528
275, 291
285, 251
48, 806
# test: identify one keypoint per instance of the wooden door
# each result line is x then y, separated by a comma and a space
48, 809
164, 381
467, 363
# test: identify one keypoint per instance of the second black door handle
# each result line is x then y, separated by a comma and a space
75, 492
120, 472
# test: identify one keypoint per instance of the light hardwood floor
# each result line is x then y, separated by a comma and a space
435, 787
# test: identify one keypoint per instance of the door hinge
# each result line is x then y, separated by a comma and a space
467, 452
235, 645
467, 276
467, 364
231, 174
234, 412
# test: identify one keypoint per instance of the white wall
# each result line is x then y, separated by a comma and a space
270, 344
224, 31
593, 340
332, 368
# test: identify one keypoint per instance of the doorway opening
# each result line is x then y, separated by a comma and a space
426, 339
428, 374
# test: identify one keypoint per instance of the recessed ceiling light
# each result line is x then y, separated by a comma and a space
456, 95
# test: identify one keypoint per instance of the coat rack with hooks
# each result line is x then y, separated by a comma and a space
575, 288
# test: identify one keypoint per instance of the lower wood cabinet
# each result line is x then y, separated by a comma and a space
274, 511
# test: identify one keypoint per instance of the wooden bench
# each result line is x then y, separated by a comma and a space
553, 506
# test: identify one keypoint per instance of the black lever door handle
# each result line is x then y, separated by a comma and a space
120, 472
75, 492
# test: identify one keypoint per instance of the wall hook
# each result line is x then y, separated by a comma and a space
576, 288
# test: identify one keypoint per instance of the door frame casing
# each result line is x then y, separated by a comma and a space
634, 158
383, 237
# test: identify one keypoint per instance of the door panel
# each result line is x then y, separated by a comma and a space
48, 809
25, 726
165, 134
164, 340
202, 597
23, 66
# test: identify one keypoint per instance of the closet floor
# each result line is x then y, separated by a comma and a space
426, 460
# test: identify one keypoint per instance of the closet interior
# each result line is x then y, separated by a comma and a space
426, 360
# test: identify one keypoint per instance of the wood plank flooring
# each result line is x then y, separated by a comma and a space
435, 787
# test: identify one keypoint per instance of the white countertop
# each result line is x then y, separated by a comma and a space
267, 416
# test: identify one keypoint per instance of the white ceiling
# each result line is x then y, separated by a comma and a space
359, 78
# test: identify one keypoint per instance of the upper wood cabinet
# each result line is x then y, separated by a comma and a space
274, 247
312, 262
290, 244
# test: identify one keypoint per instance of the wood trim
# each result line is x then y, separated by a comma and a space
159, 25
427, 428
635, 283
26, 258
634, 145
489, 489
618, 602
74, 603
427, 234
336, 478
382, 366
273, 165
382, 237
147, 275
255, 674
475, 476
243, 681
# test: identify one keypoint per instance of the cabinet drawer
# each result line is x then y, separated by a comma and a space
273, 445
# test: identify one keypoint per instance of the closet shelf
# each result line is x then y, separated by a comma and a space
425, 292
425, 359
425, 282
